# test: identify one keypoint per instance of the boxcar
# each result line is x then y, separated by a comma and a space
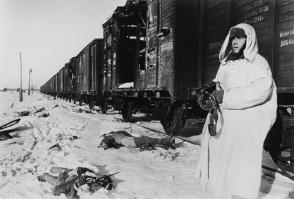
124, 53
163, 66
89, 73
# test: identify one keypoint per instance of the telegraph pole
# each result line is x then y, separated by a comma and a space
30, 71
20, 89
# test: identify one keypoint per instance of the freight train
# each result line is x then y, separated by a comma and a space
155, 54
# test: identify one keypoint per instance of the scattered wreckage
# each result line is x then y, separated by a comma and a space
69, 180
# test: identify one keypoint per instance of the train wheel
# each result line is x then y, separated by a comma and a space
91, 104
174, 120
104, 106
127, 110
161, 110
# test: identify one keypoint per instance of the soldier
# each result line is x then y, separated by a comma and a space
230, 160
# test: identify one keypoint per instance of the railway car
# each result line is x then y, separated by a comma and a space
81, 79
161, 64
82, 75
124, 52
72, 79
89, 76
156, 54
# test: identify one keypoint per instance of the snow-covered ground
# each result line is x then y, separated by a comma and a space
25, 154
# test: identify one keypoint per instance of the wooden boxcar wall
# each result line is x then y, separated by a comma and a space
109, 55
166, 45
216, 26
55, 83
64, 79
67, 78
73, 74
284, 45
172, 55
78, 73
153, 17
273, 21
83, 72
260, 14
124, 35
187, 32
96, 65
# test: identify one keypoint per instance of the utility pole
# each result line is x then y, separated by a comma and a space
30, 71
20, 89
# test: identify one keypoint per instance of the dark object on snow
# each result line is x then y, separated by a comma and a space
5, 136
146, 147
109, 142
68, 180
9, 124
64, 183
44, 115
40, 110
57, 147
95, 183
12, 105
23, 113
55, 106
116, 139
74, 137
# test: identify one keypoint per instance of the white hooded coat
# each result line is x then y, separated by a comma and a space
230, 162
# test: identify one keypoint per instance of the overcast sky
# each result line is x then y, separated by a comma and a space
48, 33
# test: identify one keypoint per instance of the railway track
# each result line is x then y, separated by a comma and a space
163, 133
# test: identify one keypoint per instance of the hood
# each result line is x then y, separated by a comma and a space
251, 48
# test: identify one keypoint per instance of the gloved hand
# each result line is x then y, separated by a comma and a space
219, 94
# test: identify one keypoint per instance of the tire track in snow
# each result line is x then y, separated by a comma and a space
33, 135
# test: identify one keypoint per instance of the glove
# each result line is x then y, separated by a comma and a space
219, 95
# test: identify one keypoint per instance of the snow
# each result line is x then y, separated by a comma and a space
160, 173
127, 85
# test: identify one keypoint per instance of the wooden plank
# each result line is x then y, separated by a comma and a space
214, 36
285, 44
285, 25
284, 2
286, 17
168, 23
167, 2
214, 4
258, 20
285, 82
219, 21
252, 13
168, 6
216, 24
215, 15
287, 75
239, 3
249, 6
288, 66
285, 89
168, 15
215, 27
285, 9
